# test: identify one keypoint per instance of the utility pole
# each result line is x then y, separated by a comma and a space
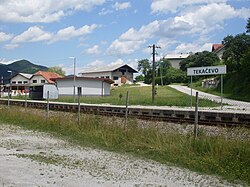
153, 71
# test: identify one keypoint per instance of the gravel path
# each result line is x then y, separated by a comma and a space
30, 158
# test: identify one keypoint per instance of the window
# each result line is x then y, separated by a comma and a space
102, 76
25, 82
34, 81
13, 82
42, 81
115, 78
20, 82
107, 77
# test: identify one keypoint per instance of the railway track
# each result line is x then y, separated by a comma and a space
206, 117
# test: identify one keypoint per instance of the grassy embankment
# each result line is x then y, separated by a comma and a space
233, 88
165, 96
227, 158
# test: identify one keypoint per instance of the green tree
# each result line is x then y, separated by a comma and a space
57, 69
173, 75
248, 25
146, 70
235, 48
199, 59
139, 78
162, 66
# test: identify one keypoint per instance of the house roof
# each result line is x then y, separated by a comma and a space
217, 47
176, 56
108, 68
25, 75
49, 76
84, 78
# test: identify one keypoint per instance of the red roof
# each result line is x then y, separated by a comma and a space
48, 76
216, 47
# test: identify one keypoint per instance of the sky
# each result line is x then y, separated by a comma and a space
103, 32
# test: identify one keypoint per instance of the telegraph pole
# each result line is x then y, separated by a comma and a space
153, 71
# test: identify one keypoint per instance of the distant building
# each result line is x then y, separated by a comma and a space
44, 77
20, 82
41, 83
120, 74
175, 59
87, 86
218, 49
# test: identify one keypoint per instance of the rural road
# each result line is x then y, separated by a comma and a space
241, 105
31, 159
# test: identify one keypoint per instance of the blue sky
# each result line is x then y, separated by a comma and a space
102, 32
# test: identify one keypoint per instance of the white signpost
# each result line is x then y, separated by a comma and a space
207, 70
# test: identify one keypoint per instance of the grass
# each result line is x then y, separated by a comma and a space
166, 96
233, 88
216, 155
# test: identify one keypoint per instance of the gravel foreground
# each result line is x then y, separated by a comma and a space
29, 158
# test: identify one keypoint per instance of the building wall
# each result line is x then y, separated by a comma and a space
88, 87
18, 79
220, 53
39, 79
99, 75
115, 76
175, 63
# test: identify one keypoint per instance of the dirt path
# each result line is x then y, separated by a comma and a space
30, 158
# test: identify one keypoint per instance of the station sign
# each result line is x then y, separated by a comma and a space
208, 70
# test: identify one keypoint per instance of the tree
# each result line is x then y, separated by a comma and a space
199, 59
139, 78
146, 69
235, 48
163, 65
57, 69
173, 75
248, 25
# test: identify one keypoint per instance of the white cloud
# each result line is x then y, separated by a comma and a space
11, 46
105, 11
132, 40
4, 61
5, 37
93, 50
71, 32
193, 47
37, 34
173, 6
122, 6
197, 22
33, 34
42, 11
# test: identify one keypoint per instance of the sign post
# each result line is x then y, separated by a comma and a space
208, 70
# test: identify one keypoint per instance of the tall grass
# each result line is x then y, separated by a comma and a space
228, 158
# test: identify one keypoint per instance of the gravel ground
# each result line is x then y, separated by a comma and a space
30, 158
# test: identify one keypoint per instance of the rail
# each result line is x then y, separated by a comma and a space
180, 115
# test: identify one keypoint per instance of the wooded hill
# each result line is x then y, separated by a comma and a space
20, 66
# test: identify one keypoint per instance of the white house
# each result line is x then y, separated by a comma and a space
175, 59
19, 83
43, 77
120, 74
87, 86
218, 49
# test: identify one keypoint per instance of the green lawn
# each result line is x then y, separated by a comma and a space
165, 96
